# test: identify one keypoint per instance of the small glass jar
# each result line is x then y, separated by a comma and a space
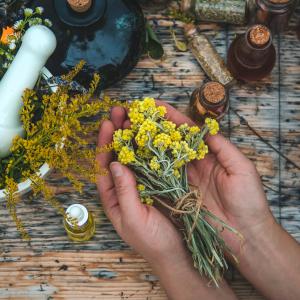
207, 56
274, 13
252, 55
210, 100
79, 223
229, 11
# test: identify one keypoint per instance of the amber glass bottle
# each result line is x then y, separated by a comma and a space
210, 100
274, 13
252, 55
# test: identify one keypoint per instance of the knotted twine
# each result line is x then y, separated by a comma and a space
190, 204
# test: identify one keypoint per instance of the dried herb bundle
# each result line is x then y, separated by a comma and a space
158, 152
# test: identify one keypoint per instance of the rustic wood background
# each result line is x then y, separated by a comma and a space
51, 267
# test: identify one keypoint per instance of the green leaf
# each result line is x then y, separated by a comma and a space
181, 46
153, 46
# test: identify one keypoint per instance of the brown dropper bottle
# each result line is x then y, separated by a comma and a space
252, 55
210, 100
274, 13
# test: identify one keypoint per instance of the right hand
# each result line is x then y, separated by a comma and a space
230, 186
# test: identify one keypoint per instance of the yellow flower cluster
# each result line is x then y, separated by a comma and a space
126, 156
156, 145
55, 135
212, 125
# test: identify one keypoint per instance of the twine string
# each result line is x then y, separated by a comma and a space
190, 204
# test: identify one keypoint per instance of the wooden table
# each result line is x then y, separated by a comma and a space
51, 267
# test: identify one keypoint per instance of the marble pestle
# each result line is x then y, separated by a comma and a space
38, 43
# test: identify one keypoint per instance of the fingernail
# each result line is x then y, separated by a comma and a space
116, 169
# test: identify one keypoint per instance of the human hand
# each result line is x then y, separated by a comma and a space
143, 227
230, 185
146, 229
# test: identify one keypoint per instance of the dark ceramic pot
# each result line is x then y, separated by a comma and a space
108, 37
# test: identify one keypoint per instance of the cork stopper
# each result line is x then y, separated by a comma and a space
214, 92
259, 35
185, 5
279, 1
189, 30
80, 6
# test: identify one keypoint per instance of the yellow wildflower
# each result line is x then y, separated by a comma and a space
202, 150
135, 116
194, 129
161, 111
168, 126
117, 140
141, 139
154, 165
176, 173
212, 125
146, 104
127, 134
126, 156
162, 141
141, 187
147, 201
176, 136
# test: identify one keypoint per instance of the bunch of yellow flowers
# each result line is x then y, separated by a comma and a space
157, 145
158, 151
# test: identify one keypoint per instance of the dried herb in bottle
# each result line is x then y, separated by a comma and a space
252, 55
229, 11
274, 13
207, 56
210, 100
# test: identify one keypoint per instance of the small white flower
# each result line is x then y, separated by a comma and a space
12, 46
18, 24
39, 10
48, 22
28, 12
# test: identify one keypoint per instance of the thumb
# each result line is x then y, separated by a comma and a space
125, 187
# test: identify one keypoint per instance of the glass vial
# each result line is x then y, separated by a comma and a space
274, 13
207, 56
79, 223
229, 11
210, 100
252, 55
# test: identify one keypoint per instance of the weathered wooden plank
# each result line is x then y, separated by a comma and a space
86, 275
270, 106
289, 120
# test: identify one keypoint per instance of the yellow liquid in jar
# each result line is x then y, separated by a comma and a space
81, 233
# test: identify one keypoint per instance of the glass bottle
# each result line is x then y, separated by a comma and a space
252, 55
210, 100
229, 11
79, 223
207, 56
274, 13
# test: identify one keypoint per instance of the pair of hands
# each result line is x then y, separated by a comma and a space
228, 180
231, 189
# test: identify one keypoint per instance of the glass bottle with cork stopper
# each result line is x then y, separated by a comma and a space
252, 55
274, 13
210, 100
79, 223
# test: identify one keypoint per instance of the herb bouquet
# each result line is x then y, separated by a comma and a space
158, 152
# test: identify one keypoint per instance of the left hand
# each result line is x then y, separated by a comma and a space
143, 227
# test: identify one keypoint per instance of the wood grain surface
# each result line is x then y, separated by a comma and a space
51, 267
